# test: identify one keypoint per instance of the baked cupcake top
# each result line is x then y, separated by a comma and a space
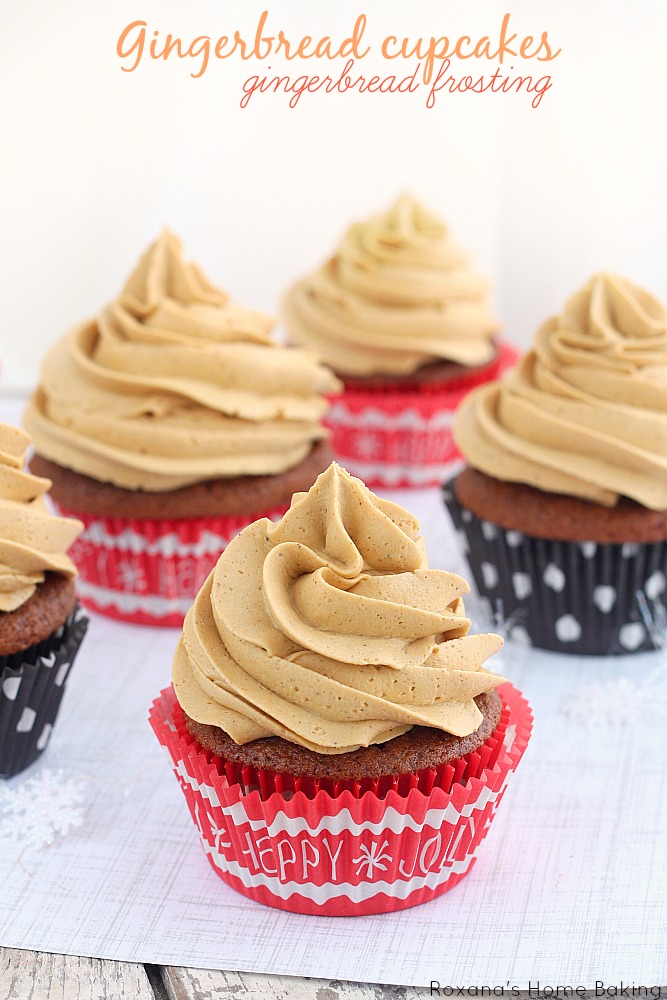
32, 541
585, 411
397, 294
174, 384
328, 629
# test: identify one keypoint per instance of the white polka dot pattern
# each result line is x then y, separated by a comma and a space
490, 575
523, 585
554, 577
604, 597
31, 689
573, 597
567, 628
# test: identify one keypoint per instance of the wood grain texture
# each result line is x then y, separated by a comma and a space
31, 975
205, 984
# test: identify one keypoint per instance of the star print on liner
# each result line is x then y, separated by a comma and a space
372, 857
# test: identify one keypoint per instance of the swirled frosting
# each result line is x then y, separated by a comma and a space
329, 630
585, 411
32, 541
174, 384
397, 294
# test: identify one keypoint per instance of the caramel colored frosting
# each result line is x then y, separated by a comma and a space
585, 412
173, 384
329, 630
32, 541
398, 294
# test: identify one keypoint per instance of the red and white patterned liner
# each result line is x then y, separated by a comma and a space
150, 571
342, 854
404, 437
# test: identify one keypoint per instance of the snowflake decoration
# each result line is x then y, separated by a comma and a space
42, 808
217, 832
368, 444
372, 858
624, 701
131, 576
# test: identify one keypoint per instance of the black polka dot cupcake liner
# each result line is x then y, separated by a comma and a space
32, 684
591, 598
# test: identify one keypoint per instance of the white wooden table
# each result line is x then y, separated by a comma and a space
31, 975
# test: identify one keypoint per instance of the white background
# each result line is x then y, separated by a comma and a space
95, 161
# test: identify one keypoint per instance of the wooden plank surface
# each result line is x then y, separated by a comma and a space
204, 984
32, 975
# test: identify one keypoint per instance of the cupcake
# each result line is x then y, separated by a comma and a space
400, 316
41, 625
563, 506
340, 744
166, 425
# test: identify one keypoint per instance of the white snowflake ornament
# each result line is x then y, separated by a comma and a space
42, 808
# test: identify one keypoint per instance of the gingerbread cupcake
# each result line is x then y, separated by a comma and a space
341, 746
400, 315
41, 626
563, 508
167, 424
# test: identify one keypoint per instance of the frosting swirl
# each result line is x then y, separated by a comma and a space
397, 295
173, 384
585, 411
328, 629
32, 541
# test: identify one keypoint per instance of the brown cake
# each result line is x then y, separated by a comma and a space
556, 515
211, 498
41, 615
419, 748
435, 374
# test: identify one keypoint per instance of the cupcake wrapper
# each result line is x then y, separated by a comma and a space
32, 684
150, 571
342, 854
569, 597
404, 437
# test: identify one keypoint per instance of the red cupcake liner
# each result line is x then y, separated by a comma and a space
403, 437
345, 851
149, 571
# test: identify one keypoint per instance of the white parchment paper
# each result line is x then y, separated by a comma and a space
570, 886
